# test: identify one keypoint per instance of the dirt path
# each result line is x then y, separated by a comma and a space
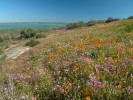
16, 51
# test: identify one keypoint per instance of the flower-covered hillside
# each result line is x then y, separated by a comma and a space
93, 63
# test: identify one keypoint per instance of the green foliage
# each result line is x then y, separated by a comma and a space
110, 19
1, 51
1, 40
75, 25
2, 55
130, 17
40, 36
93, 22
32, 43
56, 28
127, 26
29, 33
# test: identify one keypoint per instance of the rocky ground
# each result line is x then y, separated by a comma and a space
16, 51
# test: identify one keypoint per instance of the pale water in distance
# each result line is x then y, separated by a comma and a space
4, 26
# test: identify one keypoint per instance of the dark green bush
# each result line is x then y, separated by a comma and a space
29, 33
81, 23
1, 40
93, 22
32, 43
110, 19
130, 17
71, 26
75, 25
40, 36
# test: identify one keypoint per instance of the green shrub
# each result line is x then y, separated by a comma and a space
71, 25
81, 23
130, 17
2, 55
75, 25
29, 33
32, 43
93, 22
1, 51
1, 40
110, 19
40, 36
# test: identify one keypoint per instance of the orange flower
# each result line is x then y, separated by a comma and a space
103, 86
119, 82
126, 73
68, 83
87, 98
67, 87
89, 73
98, 77
119, 86
33, 98
103, 55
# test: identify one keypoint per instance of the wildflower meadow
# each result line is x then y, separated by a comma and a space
94, 64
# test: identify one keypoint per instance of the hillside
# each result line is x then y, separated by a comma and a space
83, 63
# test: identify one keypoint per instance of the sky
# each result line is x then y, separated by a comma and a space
63, 10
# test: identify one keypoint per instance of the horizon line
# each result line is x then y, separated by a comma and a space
34, 22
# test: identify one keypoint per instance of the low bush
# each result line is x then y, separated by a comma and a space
32, 43
110, 19
40, 36
130, 17
2, 55
1, 40
93, 22
75, 25
28, 33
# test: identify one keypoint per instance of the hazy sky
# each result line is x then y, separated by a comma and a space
63, 10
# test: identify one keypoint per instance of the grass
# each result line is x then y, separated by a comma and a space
83, 63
